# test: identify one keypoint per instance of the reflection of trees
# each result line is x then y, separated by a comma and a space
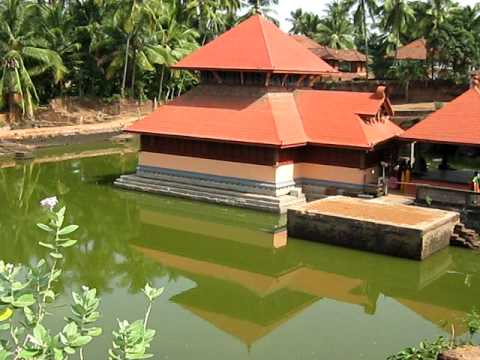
18, 186
106, 220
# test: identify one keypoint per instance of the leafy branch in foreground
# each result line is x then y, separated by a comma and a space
27, 291
429, 350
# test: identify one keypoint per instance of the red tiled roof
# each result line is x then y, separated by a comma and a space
416, 50
326, 53
255, 45
306, 41
458, 122
283, 118
334, 118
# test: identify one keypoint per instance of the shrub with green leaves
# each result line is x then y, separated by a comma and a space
425, 351
26, 292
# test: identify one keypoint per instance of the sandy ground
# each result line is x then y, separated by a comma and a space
362, 209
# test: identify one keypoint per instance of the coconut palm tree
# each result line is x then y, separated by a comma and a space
26, 54
335, 30
177, 40
362, 10
122, 40
210, 17
56, 24
305, 23
263, 7
397, 16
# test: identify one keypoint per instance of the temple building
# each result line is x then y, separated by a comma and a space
351, 63
452, 129
254, 134
457, 123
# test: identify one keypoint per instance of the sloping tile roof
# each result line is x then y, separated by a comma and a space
416, 50
335, 118
274, 118
255, 45
306, 41
326, 53
458, 122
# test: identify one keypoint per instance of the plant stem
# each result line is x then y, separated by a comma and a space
42, 304
147, 315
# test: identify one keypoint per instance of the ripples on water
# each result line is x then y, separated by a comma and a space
232, 290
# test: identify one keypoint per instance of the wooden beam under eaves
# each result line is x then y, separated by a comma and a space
217, 77
297, 84
267, 80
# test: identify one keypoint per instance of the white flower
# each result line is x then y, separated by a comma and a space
49, 203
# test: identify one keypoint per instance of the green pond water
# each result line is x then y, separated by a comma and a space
230, 292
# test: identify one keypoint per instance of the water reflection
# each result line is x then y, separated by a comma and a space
229, 268
247, 287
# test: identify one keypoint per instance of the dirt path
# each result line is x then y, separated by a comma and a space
40, 135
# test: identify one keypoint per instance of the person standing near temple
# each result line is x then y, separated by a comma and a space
476, 182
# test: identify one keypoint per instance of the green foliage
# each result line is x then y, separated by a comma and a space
27, 291
429, 201
425, 350
102, 48
335, 30
473, 323
429, 350
131, 341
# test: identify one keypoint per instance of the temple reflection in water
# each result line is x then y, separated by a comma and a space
247, 285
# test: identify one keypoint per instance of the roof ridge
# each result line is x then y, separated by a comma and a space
274, 119
262, 27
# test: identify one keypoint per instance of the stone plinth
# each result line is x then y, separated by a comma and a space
212, 191
393, 229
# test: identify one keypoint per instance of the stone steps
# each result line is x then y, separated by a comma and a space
277, 204
463, 237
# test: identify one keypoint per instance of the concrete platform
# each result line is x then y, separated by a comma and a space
393, 229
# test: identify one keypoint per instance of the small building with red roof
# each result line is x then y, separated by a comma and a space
350, 63
457, 123
415, 50
454, 127
253, 133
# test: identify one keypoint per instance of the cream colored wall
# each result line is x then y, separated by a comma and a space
208, 166
273, 174
332, 173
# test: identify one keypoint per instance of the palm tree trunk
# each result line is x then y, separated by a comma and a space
365, 38
134, 73
11, 109
160, 88
124, 80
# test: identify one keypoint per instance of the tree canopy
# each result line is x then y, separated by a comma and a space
124, 48
379, 28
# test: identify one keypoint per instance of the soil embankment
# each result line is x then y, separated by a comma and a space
12, 141
72, 121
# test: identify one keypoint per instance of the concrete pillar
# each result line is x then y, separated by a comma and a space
412, 153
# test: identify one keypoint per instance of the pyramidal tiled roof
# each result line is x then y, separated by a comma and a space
256, 44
